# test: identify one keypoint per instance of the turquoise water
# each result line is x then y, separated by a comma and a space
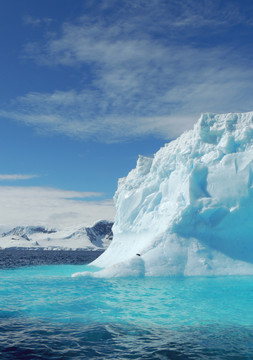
47, 314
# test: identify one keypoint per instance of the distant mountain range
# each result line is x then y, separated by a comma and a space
97, 237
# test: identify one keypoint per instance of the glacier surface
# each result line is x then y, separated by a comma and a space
189, 210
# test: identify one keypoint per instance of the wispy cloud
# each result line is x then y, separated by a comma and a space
52, 207
14, 177
141, 74
30, 20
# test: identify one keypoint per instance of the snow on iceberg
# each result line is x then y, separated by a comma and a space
189, 210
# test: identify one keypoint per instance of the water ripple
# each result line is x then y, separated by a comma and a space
23, 339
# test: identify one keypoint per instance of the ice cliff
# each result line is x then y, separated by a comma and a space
189, 210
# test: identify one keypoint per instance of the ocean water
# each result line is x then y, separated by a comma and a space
17, 257
46, 314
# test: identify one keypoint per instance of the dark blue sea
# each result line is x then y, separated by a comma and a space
46, 314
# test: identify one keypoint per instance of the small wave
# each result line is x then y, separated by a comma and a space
23, 339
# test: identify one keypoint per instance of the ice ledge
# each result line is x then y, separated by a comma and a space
214, 127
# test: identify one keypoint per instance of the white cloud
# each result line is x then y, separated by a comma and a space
51, 207
144, 74
14, 177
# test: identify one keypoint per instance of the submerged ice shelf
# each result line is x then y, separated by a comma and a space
189, 210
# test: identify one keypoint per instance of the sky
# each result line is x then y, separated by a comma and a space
87, 86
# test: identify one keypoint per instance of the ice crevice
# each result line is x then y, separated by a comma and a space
189, 210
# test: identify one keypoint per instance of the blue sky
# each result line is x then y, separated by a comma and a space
87, 86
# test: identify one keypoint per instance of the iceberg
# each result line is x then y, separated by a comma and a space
189, 209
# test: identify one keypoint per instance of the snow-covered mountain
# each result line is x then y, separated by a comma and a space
91, 238
188, 210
